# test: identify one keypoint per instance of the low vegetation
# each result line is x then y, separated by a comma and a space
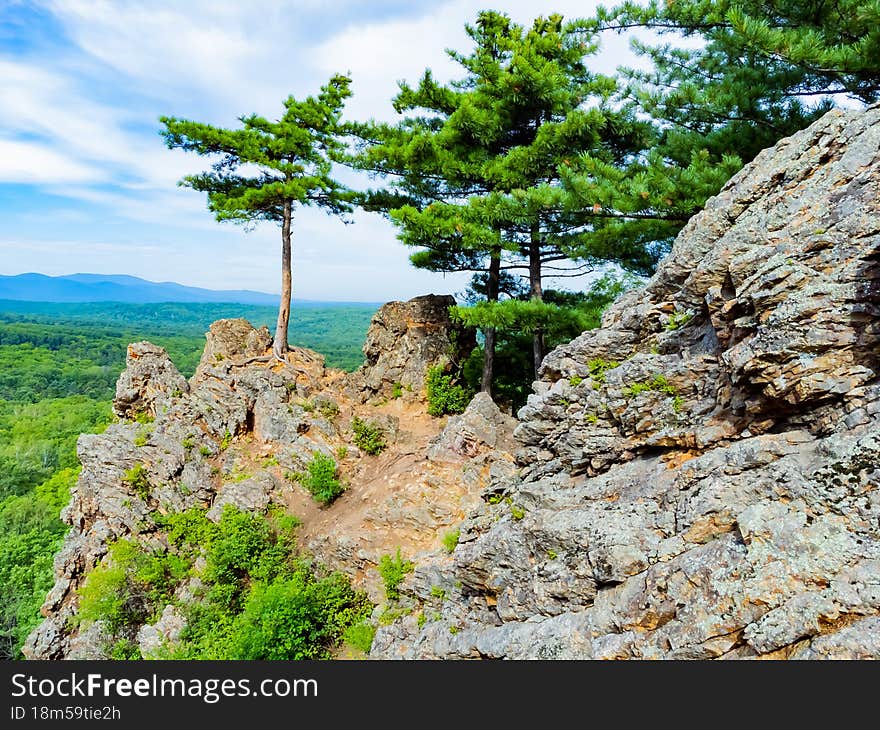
393, 570
445, 394
321, 478
368, 437
259, 598
58, 369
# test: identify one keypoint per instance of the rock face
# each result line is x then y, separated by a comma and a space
405, 339
235, 434
701, 475
148, 383
479, 429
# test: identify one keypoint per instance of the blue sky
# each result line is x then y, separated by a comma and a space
86, 184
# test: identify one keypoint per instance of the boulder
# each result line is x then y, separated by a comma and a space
405, 339
477, 430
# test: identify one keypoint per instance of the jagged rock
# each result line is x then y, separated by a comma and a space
233, 339
148, 384
701, 475
405, 339
241, 432
153, 638
90, 643
250, 495
475, 431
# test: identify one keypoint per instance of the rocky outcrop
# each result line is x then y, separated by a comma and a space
148, 384
405, 339
239, 432
481, 428
701, 475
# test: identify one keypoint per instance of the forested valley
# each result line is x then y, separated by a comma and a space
58, 368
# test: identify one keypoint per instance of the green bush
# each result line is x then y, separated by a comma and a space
393, 571
321, 480
658, 383
444, 394
260, 599
368, 437
360, 636
450, 540
137, 479
297, 618
599, 367
130, 587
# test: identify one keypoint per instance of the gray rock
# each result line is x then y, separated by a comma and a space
149, 383
405, 339
250, 495
233, 339
700, 475
152, 639
477, 430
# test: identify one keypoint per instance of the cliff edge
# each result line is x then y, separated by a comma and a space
700, 475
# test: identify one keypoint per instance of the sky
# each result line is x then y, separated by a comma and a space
87, 185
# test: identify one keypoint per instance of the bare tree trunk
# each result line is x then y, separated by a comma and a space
279, 346
537, 293
489, 333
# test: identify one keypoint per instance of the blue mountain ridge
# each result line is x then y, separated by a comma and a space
35, 287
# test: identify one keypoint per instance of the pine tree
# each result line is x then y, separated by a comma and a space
291, 160
490, 173
764, 70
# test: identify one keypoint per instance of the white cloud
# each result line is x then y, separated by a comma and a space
386, 51
80, 120
29, 162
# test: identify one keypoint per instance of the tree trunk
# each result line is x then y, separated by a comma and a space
536, 292
279, 346
489, 333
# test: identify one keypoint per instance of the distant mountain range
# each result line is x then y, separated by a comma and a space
118, 288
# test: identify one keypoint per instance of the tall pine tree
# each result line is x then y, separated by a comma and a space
481, 172
266, 169
762, 71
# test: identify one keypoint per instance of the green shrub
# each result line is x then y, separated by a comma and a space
137, 479
396, 390
575, 380
142, 436
444, 394
450, 540
320, 478
393, 570
678, 320
438, 592
260, 599
360, 636
599, 367
368, 437
130, 587
658, 383
225, 441
291, 619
